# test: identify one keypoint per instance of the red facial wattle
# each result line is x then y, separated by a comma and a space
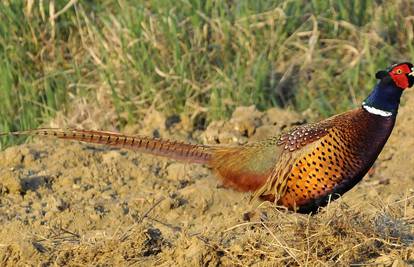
399, 76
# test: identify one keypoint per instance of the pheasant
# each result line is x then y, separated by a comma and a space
302, 169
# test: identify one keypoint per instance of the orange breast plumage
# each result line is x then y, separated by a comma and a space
330, 158
321, 170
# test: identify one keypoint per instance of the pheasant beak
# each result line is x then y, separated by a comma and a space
412, 72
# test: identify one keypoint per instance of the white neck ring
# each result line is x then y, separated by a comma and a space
376, 111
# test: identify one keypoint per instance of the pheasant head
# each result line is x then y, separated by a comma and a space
402, 75
384, 100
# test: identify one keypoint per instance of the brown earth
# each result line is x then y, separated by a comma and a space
65, 203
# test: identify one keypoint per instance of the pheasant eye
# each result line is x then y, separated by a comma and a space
398, 71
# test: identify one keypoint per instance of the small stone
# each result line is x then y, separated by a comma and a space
94, 217
280, 117
172, 120
246, 120
110, 157
176, 171
10, 183
265, 132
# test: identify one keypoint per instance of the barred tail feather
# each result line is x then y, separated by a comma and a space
166, 148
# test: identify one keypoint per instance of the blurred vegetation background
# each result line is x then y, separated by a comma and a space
110, 62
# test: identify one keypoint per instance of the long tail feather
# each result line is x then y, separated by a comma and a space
160, 147
238, 166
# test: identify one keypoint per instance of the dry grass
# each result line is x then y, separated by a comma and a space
199, 57
340, 235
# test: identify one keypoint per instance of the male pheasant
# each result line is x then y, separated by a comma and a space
301, 169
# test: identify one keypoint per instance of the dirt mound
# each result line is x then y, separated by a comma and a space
67, 203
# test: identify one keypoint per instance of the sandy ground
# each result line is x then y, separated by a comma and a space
65, 203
